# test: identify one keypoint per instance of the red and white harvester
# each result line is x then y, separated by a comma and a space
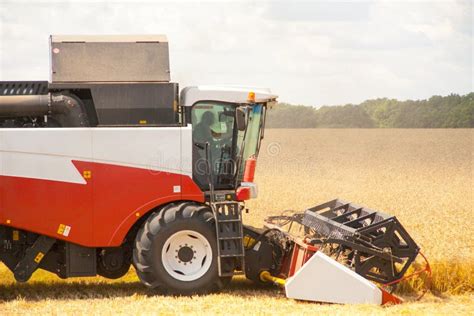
108, 165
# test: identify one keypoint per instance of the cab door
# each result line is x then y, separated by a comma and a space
213, 123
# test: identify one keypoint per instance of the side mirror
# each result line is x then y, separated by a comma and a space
241, 119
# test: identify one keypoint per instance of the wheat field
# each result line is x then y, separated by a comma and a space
424, 177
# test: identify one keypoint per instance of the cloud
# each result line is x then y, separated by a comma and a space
308, 53
321, 11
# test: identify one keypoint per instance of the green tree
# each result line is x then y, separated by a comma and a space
452, 111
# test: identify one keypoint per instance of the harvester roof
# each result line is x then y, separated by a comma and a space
223, 93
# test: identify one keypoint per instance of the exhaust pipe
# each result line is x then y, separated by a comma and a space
68, 110
24, 105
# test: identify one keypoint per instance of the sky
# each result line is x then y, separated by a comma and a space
308, 52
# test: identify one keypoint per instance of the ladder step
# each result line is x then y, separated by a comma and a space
228, 238
232, 255
233, 273
229, 230
234, 220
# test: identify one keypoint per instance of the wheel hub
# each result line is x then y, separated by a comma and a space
185, 254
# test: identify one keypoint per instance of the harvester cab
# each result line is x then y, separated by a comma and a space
108, 165
226, 138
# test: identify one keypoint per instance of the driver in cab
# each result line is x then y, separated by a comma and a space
203, 131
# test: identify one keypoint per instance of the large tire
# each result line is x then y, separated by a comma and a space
175, 250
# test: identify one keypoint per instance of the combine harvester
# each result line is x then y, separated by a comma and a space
108, 165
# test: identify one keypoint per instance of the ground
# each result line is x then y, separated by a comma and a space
424, 177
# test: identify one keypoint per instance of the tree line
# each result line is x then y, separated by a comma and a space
452, 111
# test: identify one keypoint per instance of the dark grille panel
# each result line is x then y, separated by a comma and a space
134, 104
23, 87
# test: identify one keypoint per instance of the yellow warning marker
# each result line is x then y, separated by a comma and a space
61, 229
64, 230
142, 122
39, 257
16, 235
87, 174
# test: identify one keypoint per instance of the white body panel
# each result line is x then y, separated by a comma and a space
187, 150
323, 279
47, 153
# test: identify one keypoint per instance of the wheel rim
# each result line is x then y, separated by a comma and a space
186, 255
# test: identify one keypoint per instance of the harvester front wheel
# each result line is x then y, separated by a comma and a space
175, 250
